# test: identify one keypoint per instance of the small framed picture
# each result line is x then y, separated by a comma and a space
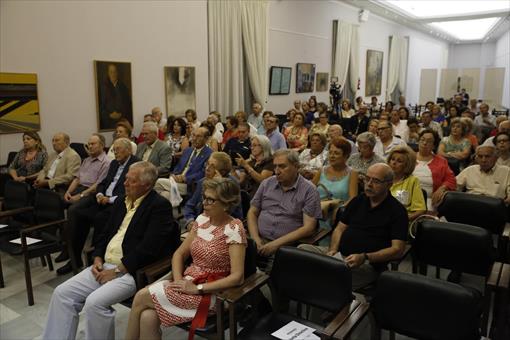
279, 82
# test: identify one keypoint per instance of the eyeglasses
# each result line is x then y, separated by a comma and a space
208, 200
374, 180
383, 128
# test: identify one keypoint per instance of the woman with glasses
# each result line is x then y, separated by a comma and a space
502, 142
256, 168
322, 126
433, 172
406, 188
219, 165
217, 247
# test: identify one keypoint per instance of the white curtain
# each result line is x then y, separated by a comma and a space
226, 93
254, 23
397, 65
354, 60
342, 52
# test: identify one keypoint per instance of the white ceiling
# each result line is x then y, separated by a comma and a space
455, 21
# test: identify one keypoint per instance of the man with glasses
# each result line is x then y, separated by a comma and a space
386, 141
275, 137
372, 230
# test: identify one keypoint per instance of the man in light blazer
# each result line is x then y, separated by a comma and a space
62, 165
154, 150
191, 166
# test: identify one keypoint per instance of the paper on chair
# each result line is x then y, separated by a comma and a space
30, 240
295, 331
3, 225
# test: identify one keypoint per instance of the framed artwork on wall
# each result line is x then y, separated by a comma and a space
322, 82
19, 104
305, 77
179, 89
279, 80
113, 90
373, 78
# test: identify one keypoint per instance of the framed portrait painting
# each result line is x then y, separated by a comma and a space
322, 82
179, 89
279, 82
19, 104
113, 90
305, 77
373, 78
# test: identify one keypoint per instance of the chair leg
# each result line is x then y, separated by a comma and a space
43, 261
28, 280
392, 335
375, 330
50, 262
2, 285
438, 272
232, 322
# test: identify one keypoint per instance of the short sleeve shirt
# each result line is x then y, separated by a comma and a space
281, 212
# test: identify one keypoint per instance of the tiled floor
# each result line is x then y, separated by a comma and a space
20, 321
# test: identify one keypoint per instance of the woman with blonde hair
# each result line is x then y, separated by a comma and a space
406, 188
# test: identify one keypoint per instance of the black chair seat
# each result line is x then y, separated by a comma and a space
269, 324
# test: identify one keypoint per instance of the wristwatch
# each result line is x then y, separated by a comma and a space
200, 288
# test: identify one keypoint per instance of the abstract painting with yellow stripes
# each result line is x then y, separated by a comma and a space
19, 106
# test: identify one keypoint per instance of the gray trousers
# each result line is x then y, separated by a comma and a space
362, 276
83, 293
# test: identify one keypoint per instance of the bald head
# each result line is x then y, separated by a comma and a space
504, 126
378, 181
384, 170
60, 141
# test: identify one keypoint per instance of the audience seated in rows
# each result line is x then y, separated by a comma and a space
217, 246
122, 130
406, 188
62, 165
486, 177
372, 230
153, 149
136, 234
30, 160
432, 170
258, 167
219, 165
284, 210
96, 209
191, 166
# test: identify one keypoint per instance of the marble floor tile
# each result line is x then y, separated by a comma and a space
7, 314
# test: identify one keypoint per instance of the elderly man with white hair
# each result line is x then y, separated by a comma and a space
504, 126
154, 150
486, 177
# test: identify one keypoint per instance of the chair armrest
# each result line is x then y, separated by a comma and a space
154, 271
504, 279
42, 226
506, 230
318, 235
232, 295
345, 321
14, 212
395, 263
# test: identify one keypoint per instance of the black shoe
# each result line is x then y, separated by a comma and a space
63, 256
65, 269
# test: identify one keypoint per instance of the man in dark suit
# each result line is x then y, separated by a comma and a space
154, 150
138, 232
96, 209
191, 166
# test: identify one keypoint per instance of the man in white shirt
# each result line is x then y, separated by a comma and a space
427, 122
255, 117
486, 177
400, 128
386, 141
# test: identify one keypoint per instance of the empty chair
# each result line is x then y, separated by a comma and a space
425, 308
312, 279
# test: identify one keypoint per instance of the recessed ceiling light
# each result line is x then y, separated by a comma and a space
467, 29
424, 9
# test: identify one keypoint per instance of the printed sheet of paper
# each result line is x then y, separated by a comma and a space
3, 225
295, 331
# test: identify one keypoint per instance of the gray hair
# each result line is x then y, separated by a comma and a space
265, 144
492, 147
153, 127
149, 173
101, 138
291, 155
125, 143
228, 191
367, 137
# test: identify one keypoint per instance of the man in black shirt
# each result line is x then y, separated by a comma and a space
239, 145
372, 231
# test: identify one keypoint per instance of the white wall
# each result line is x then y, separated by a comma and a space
471, 55
59, 40
301, 31
502, 59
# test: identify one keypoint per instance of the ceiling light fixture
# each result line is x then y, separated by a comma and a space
467, 29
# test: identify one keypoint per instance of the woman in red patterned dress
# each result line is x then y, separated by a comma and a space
217, 245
